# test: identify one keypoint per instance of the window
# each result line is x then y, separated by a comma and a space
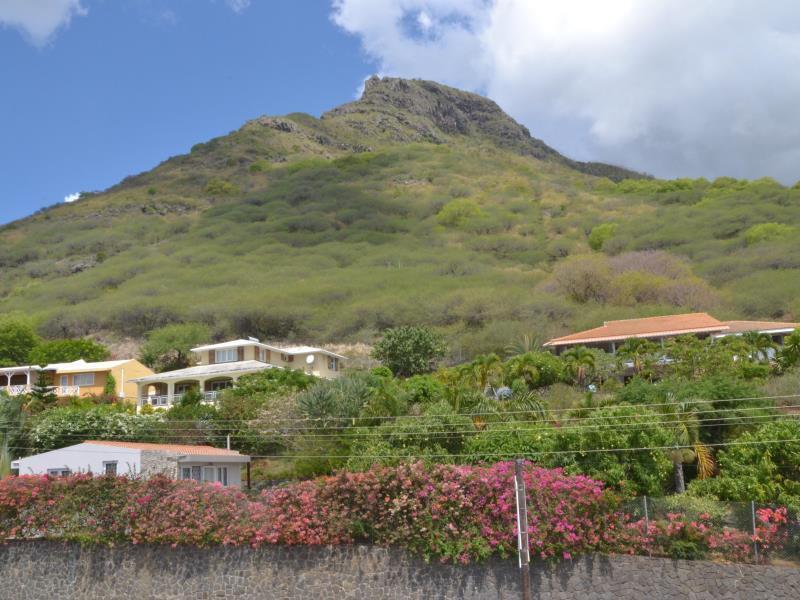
110, 467
287, 357
63, 381
208, 474
196, 473
217, 386
58, 472
80, 379
226, 355
222, 475
263, 355
333, 363
182, 388
186, 472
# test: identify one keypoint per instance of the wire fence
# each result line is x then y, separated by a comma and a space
685, 527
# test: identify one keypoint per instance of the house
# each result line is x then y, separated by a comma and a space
220, 365
102, 457
81, 378
18, 380
77, 378
613, 334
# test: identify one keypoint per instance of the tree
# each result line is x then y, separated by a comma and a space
528, 342
41, 395
682, 420
607, 448
578, 360
110, 388
482, 371
12, 419
536, 369
61, 351
790, 354
760, 344
640, 353
410, 350
17, 341
169, 347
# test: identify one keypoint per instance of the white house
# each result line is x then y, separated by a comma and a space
219, 366
178, 461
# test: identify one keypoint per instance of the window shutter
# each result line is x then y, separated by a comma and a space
240, 353
267, 356
291, 358
211, 357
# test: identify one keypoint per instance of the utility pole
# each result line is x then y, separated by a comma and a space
523, 545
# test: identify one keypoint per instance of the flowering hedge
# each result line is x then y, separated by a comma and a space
445, 512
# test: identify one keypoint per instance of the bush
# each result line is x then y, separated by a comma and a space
410, 351
601, 234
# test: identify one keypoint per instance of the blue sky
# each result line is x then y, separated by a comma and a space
94, 90
131, 83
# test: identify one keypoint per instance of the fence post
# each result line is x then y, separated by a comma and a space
523, 545
755, 542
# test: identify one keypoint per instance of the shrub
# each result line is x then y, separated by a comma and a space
444, 512
601, 234
410, 350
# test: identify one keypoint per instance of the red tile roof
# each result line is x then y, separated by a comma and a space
178, 448
649, 327
745, 326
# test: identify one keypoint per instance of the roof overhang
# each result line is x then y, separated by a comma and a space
617, 338
215, 458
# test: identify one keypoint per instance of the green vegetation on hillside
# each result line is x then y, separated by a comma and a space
415, 204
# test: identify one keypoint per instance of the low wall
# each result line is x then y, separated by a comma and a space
51, 570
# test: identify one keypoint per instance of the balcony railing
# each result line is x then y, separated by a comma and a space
66, 390
166, 400
15, 390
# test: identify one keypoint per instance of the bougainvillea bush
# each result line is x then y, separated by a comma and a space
441, 512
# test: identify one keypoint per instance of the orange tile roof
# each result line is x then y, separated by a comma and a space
669, 325
745, 326
179, 448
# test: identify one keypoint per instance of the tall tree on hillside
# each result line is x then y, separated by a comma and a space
169, 347
59, 351
17, 341
579, 361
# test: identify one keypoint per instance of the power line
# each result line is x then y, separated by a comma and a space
499, 426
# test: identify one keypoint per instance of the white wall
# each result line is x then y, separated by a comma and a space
82, 458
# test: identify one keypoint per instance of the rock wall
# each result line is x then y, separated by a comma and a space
66, 571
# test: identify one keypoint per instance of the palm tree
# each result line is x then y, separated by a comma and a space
683, 422
790, 354
579, 360
523, 367
639, 352
759, 345
526, 343
482, 371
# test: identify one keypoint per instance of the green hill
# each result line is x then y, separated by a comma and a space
416, 203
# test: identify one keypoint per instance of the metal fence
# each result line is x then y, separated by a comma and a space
749, 532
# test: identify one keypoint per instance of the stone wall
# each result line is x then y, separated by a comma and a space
159, 462
65, 571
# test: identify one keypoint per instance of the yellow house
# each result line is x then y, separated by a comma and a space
81, 378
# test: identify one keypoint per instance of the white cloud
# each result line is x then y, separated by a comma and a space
69, 198
672, 87
238, 6
39, 19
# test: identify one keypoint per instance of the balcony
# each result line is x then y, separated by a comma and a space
165, 401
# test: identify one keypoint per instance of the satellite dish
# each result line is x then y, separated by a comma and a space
310, 359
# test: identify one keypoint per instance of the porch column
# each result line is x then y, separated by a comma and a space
141, 389
613, 349
170, 392
28, 384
